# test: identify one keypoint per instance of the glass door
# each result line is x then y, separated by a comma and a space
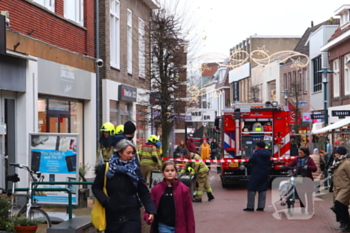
58, 123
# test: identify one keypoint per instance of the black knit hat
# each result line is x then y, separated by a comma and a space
129, 127
341, 150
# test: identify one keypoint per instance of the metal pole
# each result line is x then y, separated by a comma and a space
325, 109
97, 56
325, 104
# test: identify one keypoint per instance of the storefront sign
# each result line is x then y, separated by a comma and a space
127, 93
62, 80
56, 157
341, 113
317, 115
201, 115
307, 117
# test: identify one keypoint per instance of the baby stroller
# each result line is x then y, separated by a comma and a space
288, 194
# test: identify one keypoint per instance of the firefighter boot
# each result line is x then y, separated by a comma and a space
210, 196
196, 200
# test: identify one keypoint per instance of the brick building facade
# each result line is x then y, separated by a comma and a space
47, 81
124, 46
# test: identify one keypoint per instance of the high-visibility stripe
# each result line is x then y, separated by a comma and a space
147, 161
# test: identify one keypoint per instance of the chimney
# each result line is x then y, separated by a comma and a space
312, 24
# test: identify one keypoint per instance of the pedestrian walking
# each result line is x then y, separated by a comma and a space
167, 195
318, 174
125, 188
191, 147
179, 149
201, 171
293, 148
341, 187
259, 177
204, 151
214, 149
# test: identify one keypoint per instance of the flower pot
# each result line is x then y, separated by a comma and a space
26, 229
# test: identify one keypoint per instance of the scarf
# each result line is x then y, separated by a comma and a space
338, 160
130, 166
205, 149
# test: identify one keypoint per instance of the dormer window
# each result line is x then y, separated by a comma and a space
344, 13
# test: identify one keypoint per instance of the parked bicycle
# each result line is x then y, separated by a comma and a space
31, 210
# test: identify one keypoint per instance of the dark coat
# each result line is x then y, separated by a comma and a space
293, 149
123, 201
311, 166
259, 175
184, 216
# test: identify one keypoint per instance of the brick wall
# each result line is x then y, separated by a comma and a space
139, 10
32, 20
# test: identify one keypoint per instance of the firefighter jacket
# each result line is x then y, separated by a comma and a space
197, 167
148, 151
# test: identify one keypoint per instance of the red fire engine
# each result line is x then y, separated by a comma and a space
244, 125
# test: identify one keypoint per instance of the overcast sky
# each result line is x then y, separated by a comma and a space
221, 24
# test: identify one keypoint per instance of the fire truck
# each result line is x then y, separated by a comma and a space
245, 124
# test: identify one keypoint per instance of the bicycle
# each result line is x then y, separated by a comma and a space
31, 210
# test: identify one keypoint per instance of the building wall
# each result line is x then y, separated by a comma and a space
261, 76
285, 70
338, 52
316, 41
272, 45
50, 27
139, 10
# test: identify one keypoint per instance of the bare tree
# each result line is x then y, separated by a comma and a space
296, 96
167, 72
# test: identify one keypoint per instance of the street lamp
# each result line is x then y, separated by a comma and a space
325, 73
286, 92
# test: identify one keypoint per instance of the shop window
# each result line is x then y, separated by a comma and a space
141, 125
113, 113
42, 115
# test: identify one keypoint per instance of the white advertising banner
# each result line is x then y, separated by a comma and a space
200, 115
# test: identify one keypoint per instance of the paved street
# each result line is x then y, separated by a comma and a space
225, 214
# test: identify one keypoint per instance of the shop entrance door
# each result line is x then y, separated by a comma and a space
58, 123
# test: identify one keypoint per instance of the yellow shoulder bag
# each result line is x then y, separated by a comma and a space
98, 214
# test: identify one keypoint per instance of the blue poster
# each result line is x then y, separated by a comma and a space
56, 157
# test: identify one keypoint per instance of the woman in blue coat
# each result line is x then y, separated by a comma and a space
259, 177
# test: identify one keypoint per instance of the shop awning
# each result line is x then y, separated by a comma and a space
336, 125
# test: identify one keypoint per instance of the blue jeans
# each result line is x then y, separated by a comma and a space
162, 228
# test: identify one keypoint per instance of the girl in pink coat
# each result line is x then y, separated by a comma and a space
173, 202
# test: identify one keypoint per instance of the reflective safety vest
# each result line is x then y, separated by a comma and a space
146, 153
198, 167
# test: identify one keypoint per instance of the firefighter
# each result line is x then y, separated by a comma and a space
201, 171
150, 157
106, 148
119, 129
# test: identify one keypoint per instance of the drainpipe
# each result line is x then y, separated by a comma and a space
97, 55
